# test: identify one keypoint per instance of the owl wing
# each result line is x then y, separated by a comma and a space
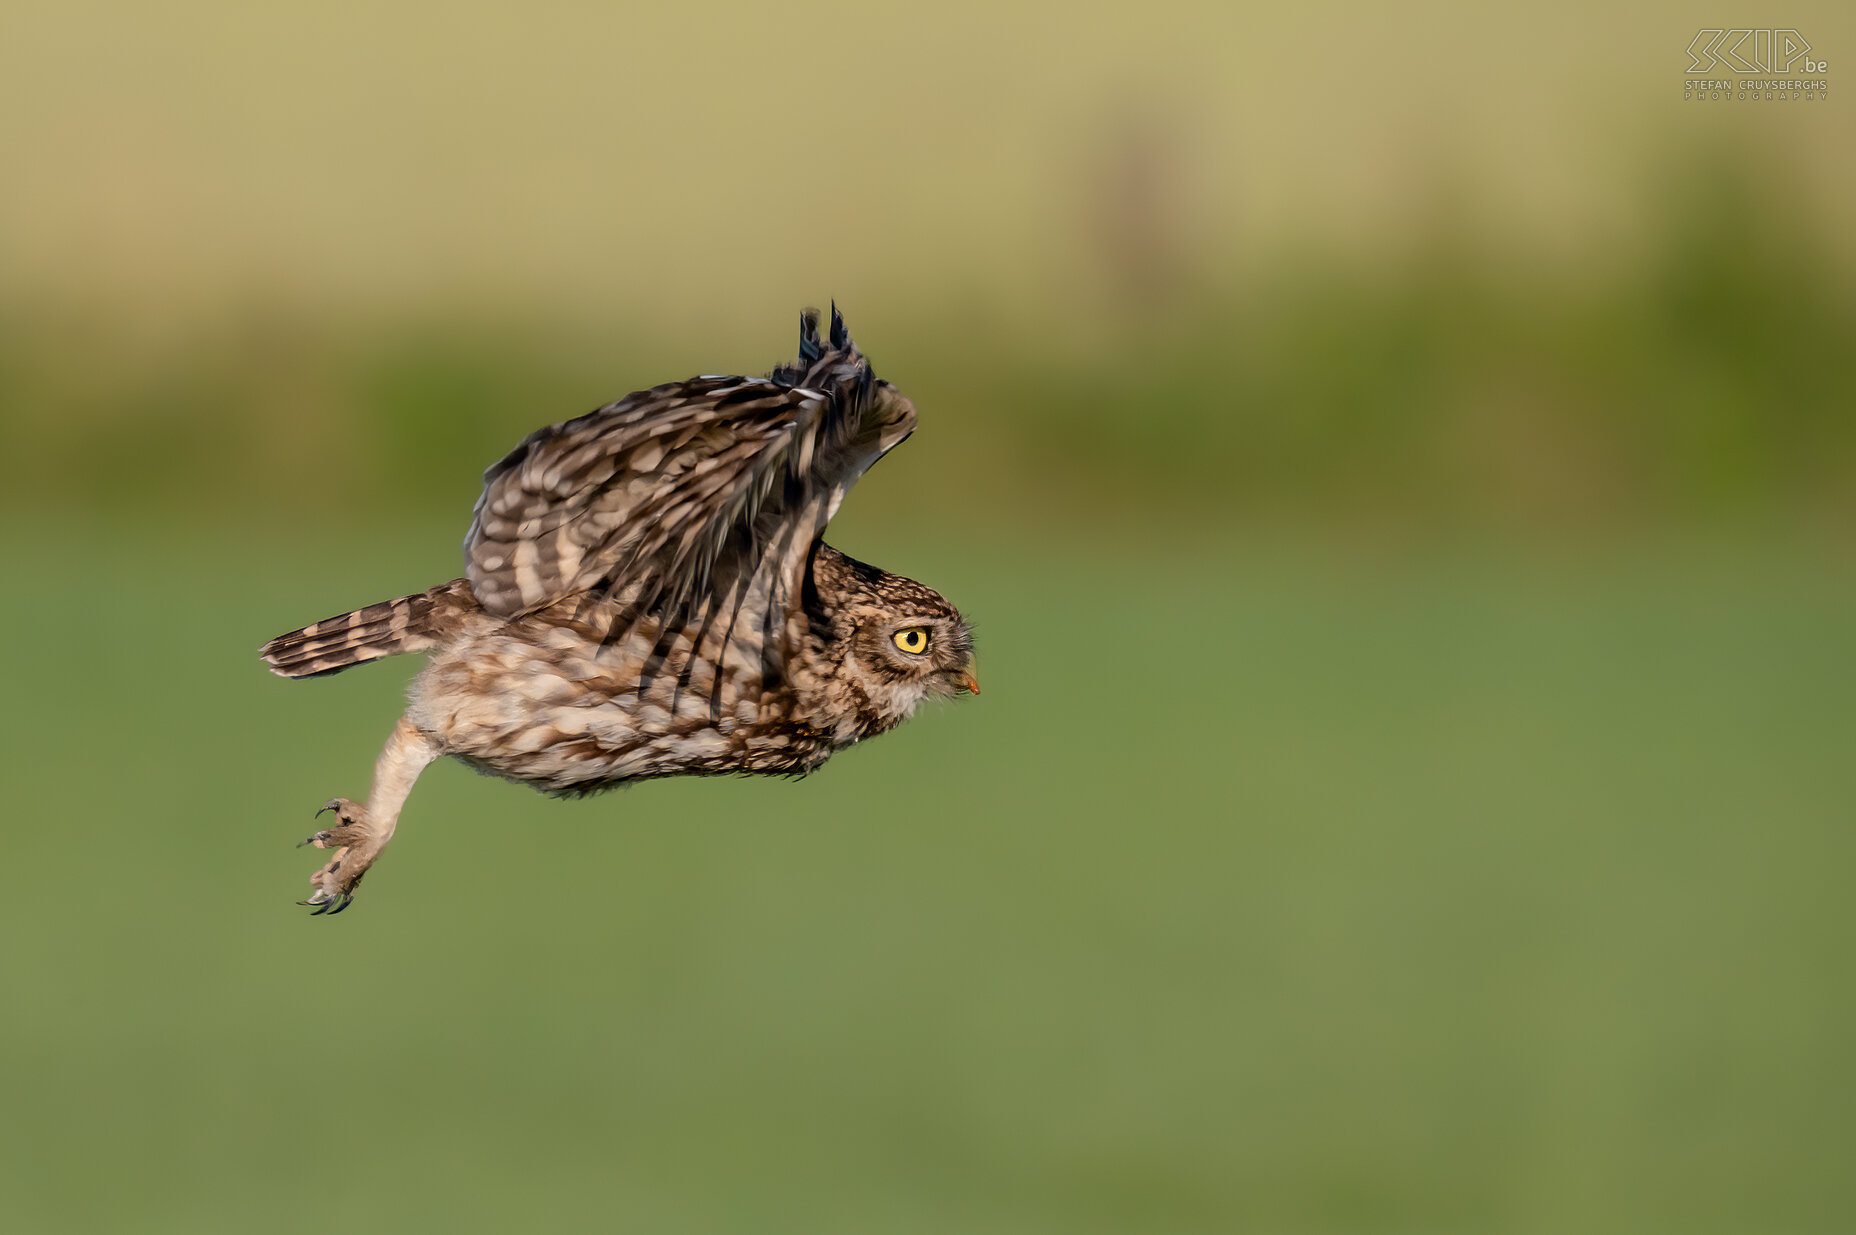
651, 497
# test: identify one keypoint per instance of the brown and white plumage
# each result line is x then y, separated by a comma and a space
646, 593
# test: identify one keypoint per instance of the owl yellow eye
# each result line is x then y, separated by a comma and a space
914, 640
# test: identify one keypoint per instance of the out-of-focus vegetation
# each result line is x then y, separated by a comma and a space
1448, 389
1401, 463
1211, 263
1257, 892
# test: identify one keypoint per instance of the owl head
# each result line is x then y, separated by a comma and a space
894, 642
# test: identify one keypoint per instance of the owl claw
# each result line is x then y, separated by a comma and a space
321, 902
355, 848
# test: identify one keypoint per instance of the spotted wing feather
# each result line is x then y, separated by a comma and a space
645, 498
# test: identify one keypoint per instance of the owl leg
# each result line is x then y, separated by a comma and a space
365, 830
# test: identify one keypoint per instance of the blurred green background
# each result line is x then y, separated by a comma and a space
1402, 466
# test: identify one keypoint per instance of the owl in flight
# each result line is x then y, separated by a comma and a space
647, 593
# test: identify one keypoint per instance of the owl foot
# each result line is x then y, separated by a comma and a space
355, 848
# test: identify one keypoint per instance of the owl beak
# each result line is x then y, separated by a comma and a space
968, 679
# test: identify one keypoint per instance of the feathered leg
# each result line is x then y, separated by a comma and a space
365, 830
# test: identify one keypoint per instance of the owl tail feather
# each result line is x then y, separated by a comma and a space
408, 624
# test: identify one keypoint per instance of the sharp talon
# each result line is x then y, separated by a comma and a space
322, 899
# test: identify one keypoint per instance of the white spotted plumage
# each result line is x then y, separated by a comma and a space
647, 593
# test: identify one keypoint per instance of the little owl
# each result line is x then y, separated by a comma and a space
647, 593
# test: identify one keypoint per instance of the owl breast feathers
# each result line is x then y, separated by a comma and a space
647, 593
